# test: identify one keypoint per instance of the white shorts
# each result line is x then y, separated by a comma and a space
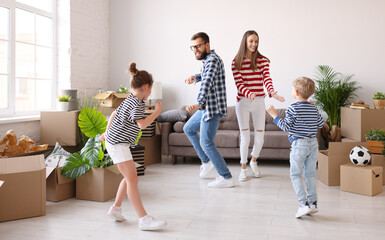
119, 152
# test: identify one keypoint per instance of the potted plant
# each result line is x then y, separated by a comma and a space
334, 90
376, 140
379, 100
92, 123
64, 102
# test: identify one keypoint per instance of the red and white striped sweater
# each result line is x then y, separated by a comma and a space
249, 81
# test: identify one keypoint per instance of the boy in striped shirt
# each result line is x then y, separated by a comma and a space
301, 121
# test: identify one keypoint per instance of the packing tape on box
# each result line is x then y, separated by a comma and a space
1, 183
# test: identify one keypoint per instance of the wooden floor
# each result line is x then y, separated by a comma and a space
261, 208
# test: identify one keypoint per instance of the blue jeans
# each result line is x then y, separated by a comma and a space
204, 145
303, 158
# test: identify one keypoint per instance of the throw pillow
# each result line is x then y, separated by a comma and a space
57, 157
172, 116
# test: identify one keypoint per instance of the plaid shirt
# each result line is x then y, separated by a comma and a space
212, 93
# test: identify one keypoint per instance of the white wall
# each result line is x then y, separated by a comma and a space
295, 35
89, 45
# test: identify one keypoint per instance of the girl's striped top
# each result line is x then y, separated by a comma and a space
123, 128
301, 121
250, 81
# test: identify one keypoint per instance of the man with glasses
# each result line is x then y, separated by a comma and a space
211, 107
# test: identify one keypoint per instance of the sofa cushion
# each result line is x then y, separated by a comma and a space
223, 138
172, 116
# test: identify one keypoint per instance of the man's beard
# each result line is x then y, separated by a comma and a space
202, 56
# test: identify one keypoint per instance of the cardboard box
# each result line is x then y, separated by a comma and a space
107, 111
152, 153
365, 180
99, 184
356, 122
329, 161
61, 127
111, 99
22, 193
59, 187
378, 160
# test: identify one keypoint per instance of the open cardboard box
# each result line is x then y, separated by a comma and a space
61, 127
111, 99
22, 191
329, 161
365, 180
356, 122
98, 184
59, 187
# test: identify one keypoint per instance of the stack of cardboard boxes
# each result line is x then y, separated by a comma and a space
334, 165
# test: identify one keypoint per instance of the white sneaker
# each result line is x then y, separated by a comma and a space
205, 169
313, 208
221, 182
243, 175
115, 213
302, 211
150, 223
255, 169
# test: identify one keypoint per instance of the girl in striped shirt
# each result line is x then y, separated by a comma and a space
251, 75
122, 130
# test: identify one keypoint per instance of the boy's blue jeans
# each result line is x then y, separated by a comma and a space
303, 158
204, 145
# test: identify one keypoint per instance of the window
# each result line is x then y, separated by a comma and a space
27, 50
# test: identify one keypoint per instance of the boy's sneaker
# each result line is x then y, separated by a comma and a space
255, 169
302, 211
243, 175
150, 223
313, 208
115, 213
205, 169
221, 182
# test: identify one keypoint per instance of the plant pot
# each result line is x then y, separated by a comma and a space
379, 104
375, 146
63, 106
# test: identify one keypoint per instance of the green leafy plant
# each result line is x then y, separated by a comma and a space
64, 98
122, 89
333, 91
379, 96
92, 123
375, 134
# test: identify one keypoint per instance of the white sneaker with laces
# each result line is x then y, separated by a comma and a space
243, 175
205, 169
221, 182
313, 208
302, 211
255, 169
115, 213
150, 223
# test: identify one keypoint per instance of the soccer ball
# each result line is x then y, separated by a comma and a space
360, 155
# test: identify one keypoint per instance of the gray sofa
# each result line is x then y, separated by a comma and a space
227, 140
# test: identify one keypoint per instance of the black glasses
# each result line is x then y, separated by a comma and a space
195, 47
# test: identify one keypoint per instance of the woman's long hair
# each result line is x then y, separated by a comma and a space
243, 50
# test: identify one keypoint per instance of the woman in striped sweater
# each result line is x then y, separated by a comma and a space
251, 75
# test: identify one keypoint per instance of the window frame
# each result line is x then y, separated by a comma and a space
12, 5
